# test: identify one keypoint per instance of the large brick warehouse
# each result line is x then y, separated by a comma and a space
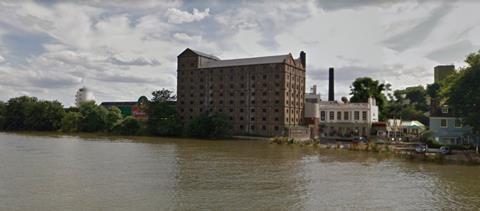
261, 95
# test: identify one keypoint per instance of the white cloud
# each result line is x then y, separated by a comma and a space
177, 16
124, 50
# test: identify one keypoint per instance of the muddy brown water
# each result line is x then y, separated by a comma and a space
57, 172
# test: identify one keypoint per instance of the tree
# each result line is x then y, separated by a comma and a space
128, 126
163, 95
16, 112
463, 92
94, 117
114, 115
162, 115
363, 88
71, 122
209, 126
3, 109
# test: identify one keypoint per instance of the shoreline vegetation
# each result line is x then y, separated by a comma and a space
400, 150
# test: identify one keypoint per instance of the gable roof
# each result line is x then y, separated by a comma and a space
246, 61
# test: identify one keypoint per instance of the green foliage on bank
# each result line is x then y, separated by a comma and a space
30, 114
209, 126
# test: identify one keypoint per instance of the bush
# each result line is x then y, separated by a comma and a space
209, 126
128, 126
71, 122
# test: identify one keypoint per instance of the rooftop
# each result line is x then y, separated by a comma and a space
246, 61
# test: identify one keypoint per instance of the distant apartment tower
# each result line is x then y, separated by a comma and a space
83, 95
261, 95
443, 71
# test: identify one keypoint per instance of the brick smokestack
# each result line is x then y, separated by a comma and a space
303, 58
331, 91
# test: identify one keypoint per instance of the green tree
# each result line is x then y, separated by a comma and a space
114, 115
163, 96
462, 92
3, 110
363, 88
162, 115
209, 126
128, 126
16, 112
71, 122
94, 117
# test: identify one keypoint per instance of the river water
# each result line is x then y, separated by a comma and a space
51, 172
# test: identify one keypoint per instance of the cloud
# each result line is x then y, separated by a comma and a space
135, 62
177, 16
2, 59
419, 32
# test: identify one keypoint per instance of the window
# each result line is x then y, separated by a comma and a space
458, 123
252, 110
332, 115
364, 115
339, 115
241, 127
252, 127
443, 123
241, 118
264, 118
252, 119
241, 110
445, 109
264, 110
345, 115
276, 128
322, 115
264, 127
231, 110
356, 115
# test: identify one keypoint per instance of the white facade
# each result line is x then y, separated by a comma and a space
341, 120
340, 112
83, 95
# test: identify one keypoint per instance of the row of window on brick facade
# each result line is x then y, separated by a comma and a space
264, 119
295, 78
241, 102
346, 115
242, 86
241, 110
232, 94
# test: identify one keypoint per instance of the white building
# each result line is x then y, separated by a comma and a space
83, 95
345, 119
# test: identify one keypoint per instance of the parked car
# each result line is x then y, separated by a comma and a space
421, 148
445, 150
359, 139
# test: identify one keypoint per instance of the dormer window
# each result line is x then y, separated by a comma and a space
445, 109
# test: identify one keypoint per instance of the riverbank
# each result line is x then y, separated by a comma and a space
402, 150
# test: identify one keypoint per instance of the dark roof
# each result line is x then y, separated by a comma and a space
204, 54
120, 103
247, 61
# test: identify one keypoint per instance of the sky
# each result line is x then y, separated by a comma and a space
122, 50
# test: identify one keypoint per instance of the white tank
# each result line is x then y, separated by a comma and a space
83, 95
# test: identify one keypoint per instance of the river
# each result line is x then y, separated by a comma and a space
55, 172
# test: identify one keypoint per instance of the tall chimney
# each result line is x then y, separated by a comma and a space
331, 91
303, 58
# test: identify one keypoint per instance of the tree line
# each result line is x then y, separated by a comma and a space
460, 91
31, 114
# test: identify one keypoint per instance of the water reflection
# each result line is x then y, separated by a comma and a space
51, 172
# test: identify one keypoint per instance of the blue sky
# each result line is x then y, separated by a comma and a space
124, 49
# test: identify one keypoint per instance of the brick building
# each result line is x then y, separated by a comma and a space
261, 95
